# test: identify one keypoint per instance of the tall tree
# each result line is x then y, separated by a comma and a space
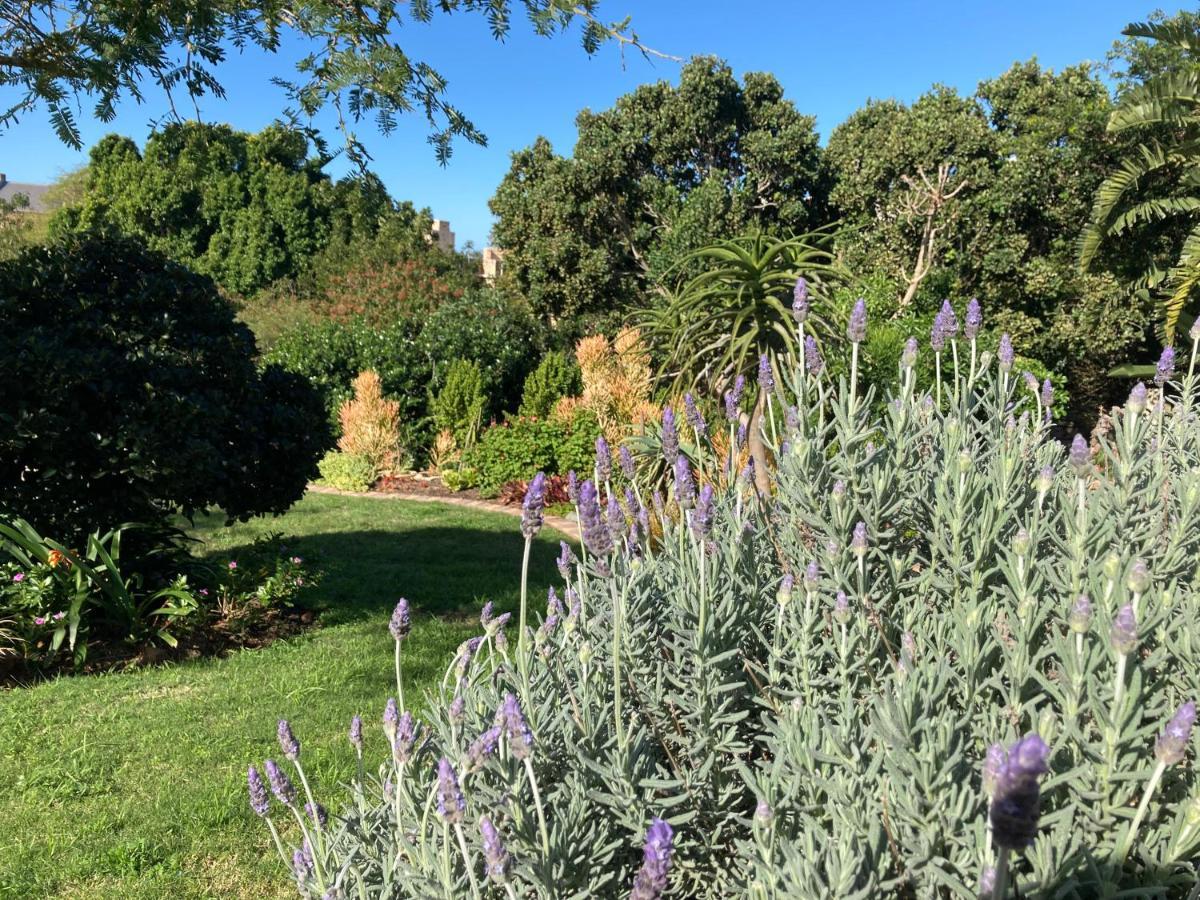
245, 209
1150, 202
668, 169
53, 52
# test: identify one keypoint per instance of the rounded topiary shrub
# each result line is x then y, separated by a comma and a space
131, 393
942, 656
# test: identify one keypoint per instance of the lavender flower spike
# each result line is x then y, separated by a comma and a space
812, 357
702, 516
766, 377
1080, 619
626, 460
356, 738
1080, 456
685, 487
949, 319
281, 786
603, 459
1017, 799
1137, 398
993, 765
1171, 746
1124, 631
401, 623
516, 730
858, 541
800, 301
1165, 369
670, 436
496, 859
856, 328
450, 801
287, 741
973, 320
692, 413
1006, 354
595, 533
565, 559
406, 738
1047, 397
533, 507
651, 879
259, 801
908, 358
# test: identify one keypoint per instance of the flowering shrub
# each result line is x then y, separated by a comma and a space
371, 425
944, 656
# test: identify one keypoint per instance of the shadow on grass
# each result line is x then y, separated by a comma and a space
449, 572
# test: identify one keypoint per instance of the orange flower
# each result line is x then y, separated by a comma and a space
57, 558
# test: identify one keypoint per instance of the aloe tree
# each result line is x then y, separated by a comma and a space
1156, 184
720, 323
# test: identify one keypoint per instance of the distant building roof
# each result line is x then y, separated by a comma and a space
35, 192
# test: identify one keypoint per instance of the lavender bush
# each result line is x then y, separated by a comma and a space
945, 657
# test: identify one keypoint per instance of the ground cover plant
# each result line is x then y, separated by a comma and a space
131, 785
944, 656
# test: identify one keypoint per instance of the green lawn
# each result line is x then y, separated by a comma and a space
133, 785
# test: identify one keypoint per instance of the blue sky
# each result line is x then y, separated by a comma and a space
830, 58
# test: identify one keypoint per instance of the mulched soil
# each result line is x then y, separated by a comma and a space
419, 483
220, 639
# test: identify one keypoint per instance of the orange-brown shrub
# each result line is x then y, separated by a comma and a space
381, 293
371, 424
616, 383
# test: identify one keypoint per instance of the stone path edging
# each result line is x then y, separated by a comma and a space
558, 523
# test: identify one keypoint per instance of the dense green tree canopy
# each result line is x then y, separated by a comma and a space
668, 169
245, 209
55, 52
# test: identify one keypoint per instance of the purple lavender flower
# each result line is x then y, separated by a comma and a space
732, 413
458, 709
841, 608
739, 388
858, 541
784, 594
302, 866
1194, 331
743, 432
791, 419
1139, 577
812, 357
747, 473
908, 358
595, 533
973, 320
766, 377
356, 737
685, 487
670, 436
1045, 479
553, 608
812, 575
1006, 354
987, 881
692, 412
565, 560
616, 520
702, 515
856, 328
316, 814
659, 504
287, 741
482, 747
1165, 370
496, 859
391, 715
800, 301
516, 730
1047, 397
533, 507
259, 801
651, 879
1124, 633
572, 486
763, 814
466, 653
281, 785
993, 765
1080, 618
603, 459
838, 493
1080, 457
1031, 381
450, 801
945, 325
401, 623
1017, 799
1172, 744
406, 738
1137, 398
626, 460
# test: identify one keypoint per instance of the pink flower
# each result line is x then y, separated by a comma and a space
40, 620
19, 577
59, 616
296, 560
299, 582
203, 592
232, 564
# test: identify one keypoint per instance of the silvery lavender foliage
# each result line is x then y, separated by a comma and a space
682, 686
